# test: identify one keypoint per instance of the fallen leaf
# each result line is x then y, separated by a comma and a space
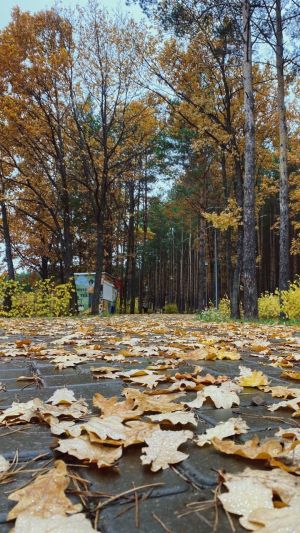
223, 397
62, 396
252, 449
174, 418
162, 450
282, 392
67, 427
82, 448
126, 410
55, 524
4, 464
251, 378
21, 412
251, 494
156, 404
291, 374
284, 520
45, 496
137, 430
232, 426
109, 427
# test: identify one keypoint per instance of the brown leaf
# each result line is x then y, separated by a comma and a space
177, 417
82, 448
252, 449
137, 431
108, 427
45, 496
126, 410
156, 404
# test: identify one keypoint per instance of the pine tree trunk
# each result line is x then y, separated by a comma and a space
249, 247
284, 244
7, 241
236, 277
99, 264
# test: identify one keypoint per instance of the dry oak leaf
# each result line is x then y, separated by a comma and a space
252, 449
174, 418
21, 412
283, 520
62, 396
4, 464
137, 431
249, 378
74, 410
291, 374
282, 392
126, 410
150, 380
104, 372
252, 490
162, 450
156, 404
45, 496
77, 523
232, 426
289, 433
83, 449
223, 397
109, 427
67, 427
291, 404
66, 361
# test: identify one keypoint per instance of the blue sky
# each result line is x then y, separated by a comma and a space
36, 5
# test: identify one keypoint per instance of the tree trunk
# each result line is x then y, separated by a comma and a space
284, 244
131, 249
99, 264
202, 296
236, 277
249, 248
7, 241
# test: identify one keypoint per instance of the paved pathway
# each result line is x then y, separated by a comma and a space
194, 479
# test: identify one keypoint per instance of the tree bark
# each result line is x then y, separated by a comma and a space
284, 244
99, 264
249, 246
7, 241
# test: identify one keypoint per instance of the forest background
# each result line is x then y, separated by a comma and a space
164, 152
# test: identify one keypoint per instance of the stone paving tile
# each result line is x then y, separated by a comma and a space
167, 509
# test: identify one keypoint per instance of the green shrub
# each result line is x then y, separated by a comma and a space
171, 308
